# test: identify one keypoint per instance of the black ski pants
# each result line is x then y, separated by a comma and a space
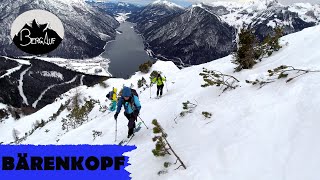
159, 90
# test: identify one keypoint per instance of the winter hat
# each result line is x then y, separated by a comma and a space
126, 92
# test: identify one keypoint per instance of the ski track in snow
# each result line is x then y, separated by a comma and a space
20, 87
21, 61
81, 80
34, 105
10, 71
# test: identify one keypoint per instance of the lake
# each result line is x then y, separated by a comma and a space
126, 52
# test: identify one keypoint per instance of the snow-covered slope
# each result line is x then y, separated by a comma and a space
238, 14
267, 133
166, 3
94, 66
115, 8
122, 17
171, 33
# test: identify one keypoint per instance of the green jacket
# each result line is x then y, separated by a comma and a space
159, 81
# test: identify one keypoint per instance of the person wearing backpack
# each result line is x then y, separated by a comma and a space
112, 95
159, 81
130, 101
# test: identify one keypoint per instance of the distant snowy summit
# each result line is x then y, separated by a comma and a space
87, 30
166, 3
189, 36
161, 16
236, 13
263, 16
115, 8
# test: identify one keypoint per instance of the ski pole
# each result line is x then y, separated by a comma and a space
115, 139
143, 122
166, 86
166, 83
150, 90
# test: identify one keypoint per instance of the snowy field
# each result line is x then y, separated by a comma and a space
253, 134
122, 17
95, 66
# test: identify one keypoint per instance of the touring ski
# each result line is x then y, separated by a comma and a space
127, 140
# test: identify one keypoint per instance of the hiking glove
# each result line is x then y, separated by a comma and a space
136, 113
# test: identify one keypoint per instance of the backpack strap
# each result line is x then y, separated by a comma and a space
132, 102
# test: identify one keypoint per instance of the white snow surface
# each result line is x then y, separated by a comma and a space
20, 86
50, 87
53, 74
236, 17
167, 3
20, 61
87, 66
122, 17
10, 71
267, 133
308, 12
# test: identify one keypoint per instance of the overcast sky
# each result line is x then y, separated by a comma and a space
188, 2
281, 1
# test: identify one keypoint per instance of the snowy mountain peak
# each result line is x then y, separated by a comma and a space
77, 13
166, 3
262, 4
200, 7
69, 2
253, 5
197, 5
266, 2
122, 4
258, 11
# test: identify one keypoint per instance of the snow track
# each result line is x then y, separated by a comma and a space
34, 105
20, 87
10, 71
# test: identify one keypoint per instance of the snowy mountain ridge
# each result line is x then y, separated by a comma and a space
166, 3
237, 14
86, 29
254, 133
115, 8
180, 36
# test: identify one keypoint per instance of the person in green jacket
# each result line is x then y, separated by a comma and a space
159, 81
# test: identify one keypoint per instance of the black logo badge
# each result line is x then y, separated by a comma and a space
37, 32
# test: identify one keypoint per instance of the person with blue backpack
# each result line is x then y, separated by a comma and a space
112, 96
130, 101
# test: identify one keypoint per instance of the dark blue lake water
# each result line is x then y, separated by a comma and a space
126, 52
